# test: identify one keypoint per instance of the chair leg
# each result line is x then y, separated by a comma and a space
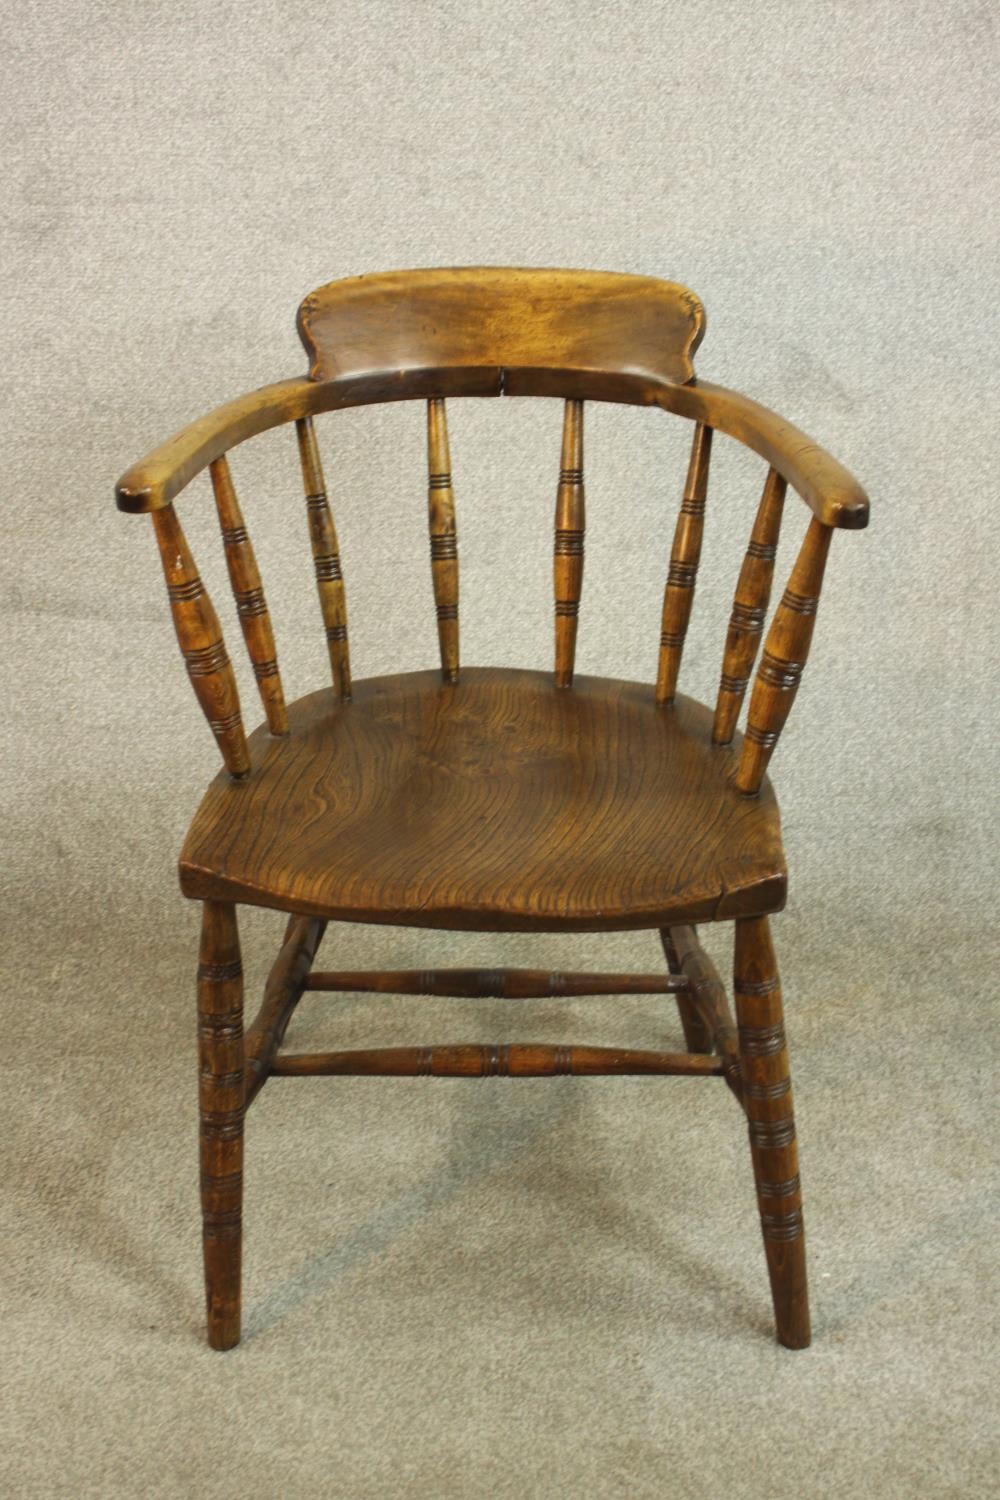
221, 1097
767, 1092
697, 1038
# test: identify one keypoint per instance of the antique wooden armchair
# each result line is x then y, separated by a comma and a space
496, 799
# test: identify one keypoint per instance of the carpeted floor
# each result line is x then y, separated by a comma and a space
509, 1288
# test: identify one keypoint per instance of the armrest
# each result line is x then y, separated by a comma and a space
825, 485
834, 495
154, 481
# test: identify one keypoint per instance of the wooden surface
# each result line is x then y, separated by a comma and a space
746, 623
282, 993
831, 492
504, 799
697, 1032
682, 574
326, 558
579, 335
501, 318
823, 483
248, 593
483, 1060
570, 528
767, 1094
482, 984
200, 638
444, 538
784, 658
704, 1008
499, 802
221, 1103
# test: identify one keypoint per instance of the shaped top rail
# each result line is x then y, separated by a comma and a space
481, 331
516, 322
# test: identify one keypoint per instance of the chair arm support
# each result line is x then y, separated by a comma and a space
834, 495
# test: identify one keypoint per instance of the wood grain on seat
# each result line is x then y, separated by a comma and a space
498, 803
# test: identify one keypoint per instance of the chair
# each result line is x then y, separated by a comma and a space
489, 799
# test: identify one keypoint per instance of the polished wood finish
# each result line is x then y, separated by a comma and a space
570, 529
412, 359
202, 646
376, 811
501, 800
498, 984
767, 1094
834, 495
753, 593
220, 1062
248, 592
785, 654
510, 323
697, 1034
288, 979
705, 1015
511, 1060
326, 558
444, 538
682, 574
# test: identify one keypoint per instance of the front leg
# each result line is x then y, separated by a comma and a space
221, 1097
767, 1097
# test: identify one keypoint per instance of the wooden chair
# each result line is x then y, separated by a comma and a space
494, 799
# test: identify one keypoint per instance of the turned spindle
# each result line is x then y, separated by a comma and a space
785, 653
570, 527
481, 984
326, 558
685, 555
200, 638
251, 606
444, 538
507, 1060
746, 623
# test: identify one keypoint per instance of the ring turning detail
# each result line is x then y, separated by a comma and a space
498, 798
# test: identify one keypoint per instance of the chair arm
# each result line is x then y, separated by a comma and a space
834, 495
153, 482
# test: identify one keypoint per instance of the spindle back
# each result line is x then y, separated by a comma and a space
432, 334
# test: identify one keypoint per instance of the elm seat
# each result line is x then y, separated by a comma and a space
498, 802
498, 799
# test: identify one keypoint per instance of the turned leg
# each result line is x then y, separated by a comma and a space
697, 1036
767, 1093
221, 1095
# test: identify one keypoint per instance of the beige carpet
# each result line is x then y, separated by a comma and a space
503, 1289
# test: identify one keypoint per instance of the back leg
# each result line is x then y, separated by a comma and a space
767, 1094
697, 1036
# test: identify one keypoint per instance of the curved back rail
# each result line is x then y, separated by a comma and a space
488, 332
